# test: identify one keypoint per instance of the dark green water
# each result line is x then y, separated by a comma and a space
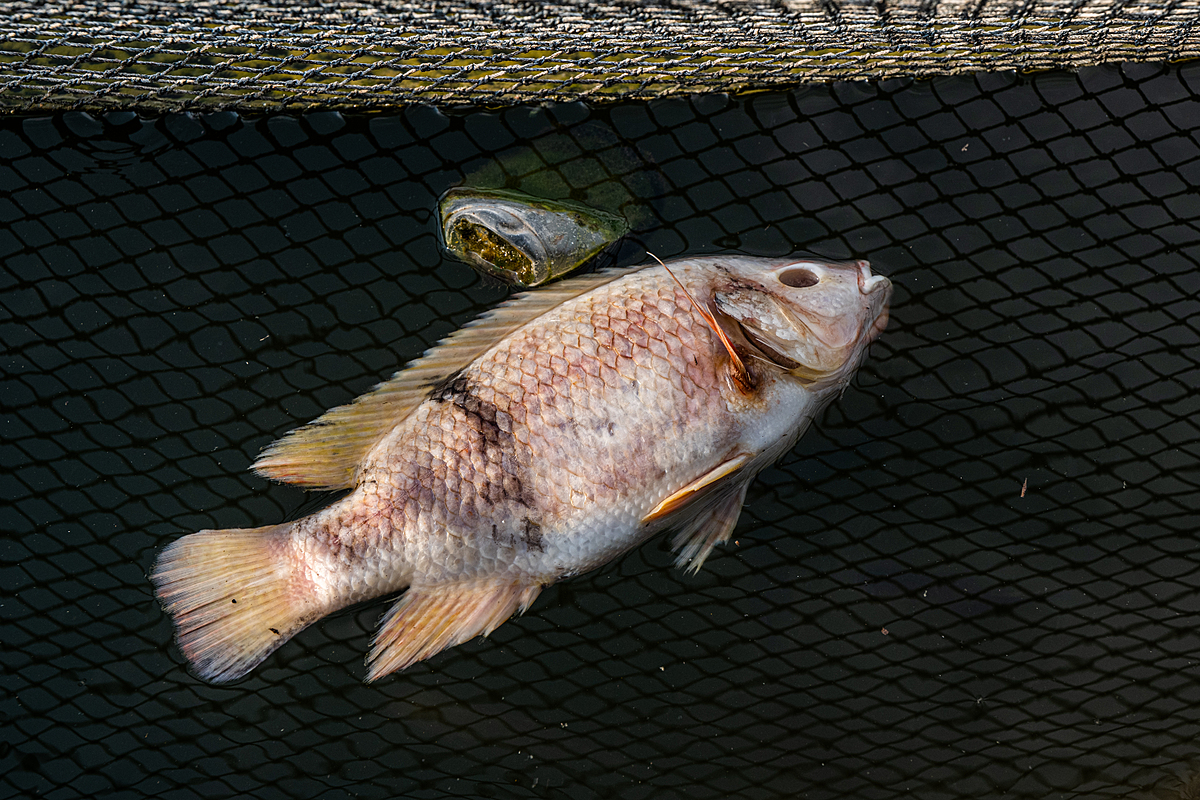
976, 576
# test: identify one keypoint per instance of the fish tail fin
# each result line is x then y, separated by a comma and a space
233, 597
428, 619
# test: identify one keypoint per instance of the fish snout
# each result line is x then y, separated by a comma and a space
868, 283
878, 291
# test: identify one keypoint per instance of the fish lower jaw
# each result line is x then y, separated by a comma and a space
878, 326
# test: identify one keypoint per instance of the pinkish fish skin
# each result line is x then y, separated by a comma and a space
546, 439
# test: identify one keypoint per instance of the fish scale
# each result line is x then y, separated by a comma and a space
554, 434
533, 385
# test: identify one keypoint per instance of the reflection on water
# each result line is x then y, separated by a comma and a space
1009, 490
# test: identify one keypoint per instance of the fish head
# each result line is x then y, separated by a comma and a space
811, 318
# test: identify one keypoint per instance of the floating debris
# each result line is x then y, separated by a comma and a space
521, 239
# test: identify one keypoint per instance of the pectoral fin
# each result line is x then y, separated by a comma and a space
724, 473
701, 535
428, 619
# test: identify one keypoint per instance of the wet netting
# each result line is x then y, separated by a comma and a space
156, 55
978, 575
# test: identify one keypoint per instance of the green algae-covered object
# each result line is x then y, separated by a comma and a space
521, 239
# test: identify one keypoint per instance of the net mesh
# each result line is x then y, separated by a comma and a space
156, 55
976, 576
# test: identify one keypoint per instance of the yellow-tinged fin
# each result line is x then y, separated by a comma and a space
699, 487
706, 531
428, 619
327, 452
232, 597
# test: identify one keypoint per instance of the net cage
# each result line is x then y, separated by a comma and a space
161, 55
976, 576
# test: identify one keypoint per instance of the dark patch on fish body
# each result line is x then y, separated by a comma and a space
532, 536
443, 385
529, 537
496, 443
482, 416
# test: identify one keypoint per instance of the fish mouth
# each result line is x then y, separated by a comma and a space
869, 285
881, 322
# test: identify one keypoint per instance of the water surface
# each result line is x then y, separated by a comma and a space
976, 576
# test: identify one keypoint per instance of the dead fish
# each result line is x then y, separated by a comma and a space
541, 441
522, 239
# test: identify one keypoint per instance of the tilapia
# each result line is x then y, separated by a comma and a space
541, 441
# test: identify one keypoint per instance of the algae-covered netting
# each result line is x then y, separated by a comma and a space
162, 55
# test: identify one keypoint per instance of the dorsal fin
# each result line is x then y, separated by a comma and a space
327, 452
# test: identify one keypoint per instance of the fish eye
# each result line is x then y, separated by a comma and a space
798, 278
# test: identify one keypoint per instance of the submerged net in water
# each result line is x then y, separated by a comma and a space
155, 55
977, 576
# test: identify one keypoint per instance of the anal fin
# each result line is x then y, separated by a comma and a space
698, 537
428, 619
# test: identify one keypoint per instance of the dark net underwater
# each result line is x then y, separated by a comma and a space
975, 576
